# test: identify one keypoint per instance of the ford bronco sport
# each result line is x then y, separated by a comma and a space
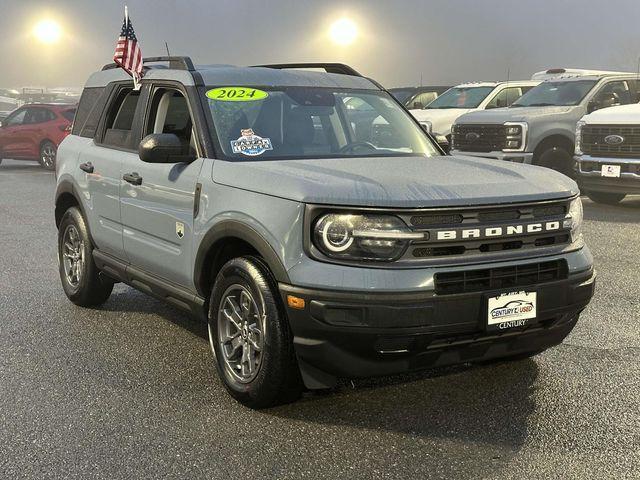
539, 128
253, 198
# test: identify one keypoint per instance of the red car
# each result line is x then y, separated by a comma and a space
34, 131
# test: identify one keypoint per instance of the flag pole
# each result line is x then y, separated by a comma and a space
136, 84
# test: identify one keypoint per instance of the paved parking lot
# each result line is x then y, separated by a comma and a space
129, 391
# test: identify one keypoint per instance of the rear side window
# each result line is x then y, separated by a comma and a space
88, 113
120, 116
69, 114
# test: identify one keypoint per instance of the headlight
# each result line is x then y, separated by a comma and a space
426, 125
362, 237
573, 220
516, 136
579, 126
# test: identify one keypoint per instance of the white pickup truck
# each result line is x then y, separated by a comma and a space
438, 117
608, 153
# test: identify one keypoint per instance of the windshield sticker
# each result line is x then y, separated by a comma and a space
236, 94
250, 144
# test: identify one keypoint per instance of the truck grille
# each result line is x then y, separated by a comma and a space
593, 140
478, 138
468, 232
448, 283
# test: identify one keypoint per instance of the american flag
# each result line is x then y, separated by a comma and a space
128, 54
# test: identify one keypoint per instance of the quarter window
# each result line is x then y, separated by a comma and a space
16, 118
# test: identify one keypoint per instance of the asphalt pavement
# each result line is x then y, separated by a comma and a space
130, 391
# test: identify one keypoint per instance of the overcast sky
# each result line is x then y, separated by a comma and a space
445, 41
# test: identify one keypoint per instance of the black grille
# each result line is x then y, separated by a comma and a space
448, 283
486, 217
487, 138
593, 140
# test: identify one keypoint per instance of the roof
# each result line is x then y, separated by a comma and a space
227, 75
515, 83
564, 73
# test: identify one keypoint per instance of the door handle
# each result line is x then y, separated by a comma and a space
132, 178
87, 167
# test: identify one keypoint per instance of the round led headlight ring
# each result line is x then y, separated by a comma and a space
337, 239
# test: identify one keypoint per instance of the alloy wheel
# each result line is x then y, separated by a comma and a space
73, 256
240, 333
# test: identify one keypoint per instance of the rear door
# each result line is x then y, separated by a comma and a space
158, 213
101, 163
35, 131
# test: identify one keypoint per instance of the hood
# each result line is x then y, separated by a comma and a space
404, 182
621, 114
441, 119
513, 114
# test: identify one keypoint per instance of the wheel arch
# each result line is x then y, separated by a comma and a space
557, 139
225, 240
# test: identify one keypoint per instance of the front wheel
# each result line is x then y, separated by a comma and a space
78, 272
48, 151
250, 336
557, 158
606, 198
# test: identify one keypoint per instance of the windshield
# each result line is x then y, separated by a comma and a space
556, 93
303, 122
461, 97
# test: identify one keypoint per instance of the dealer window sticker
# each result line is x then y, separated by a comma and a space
236, 94
250, 144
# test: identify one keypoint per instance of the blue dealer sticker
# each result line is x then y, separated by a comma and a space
250, 144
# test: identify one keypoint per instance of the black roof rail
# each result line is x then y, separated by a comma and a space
175, 63
328, 67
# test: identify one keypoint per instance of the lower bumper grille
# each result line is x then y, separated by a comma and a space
447, 283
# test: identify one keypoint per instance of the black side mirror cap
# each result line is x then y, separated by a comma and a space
163, 148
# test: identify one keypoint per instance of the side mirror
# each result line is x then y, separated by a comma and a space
162, 148
417, 105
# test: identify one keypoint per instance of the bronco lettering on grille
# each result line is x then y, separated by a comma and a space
495, 232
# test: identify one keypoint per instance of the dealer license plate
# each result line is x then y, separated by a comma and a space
610, 171
511, 310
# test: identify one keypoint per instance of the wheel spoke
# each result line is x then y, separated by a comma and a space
233, 316
245, 305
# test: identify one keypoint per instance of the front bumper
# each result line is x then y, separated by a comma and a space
591, 180
517, 157
350, 335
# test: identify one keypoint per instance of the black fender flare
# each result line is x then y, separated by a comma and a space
240, 230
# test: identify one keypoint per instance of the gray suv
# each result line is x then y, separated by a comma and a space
539, 128
254, 198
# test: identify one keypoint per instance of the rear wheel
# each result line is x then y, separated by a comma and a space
78, 272
606, 198
48, 151
250, 336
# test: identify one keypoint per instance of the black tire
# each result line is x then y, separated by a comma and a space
48, 151
276, 380
86, 289
558, 159
606, 198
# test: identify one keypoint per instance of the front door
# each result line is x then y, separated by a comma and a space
157, 200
